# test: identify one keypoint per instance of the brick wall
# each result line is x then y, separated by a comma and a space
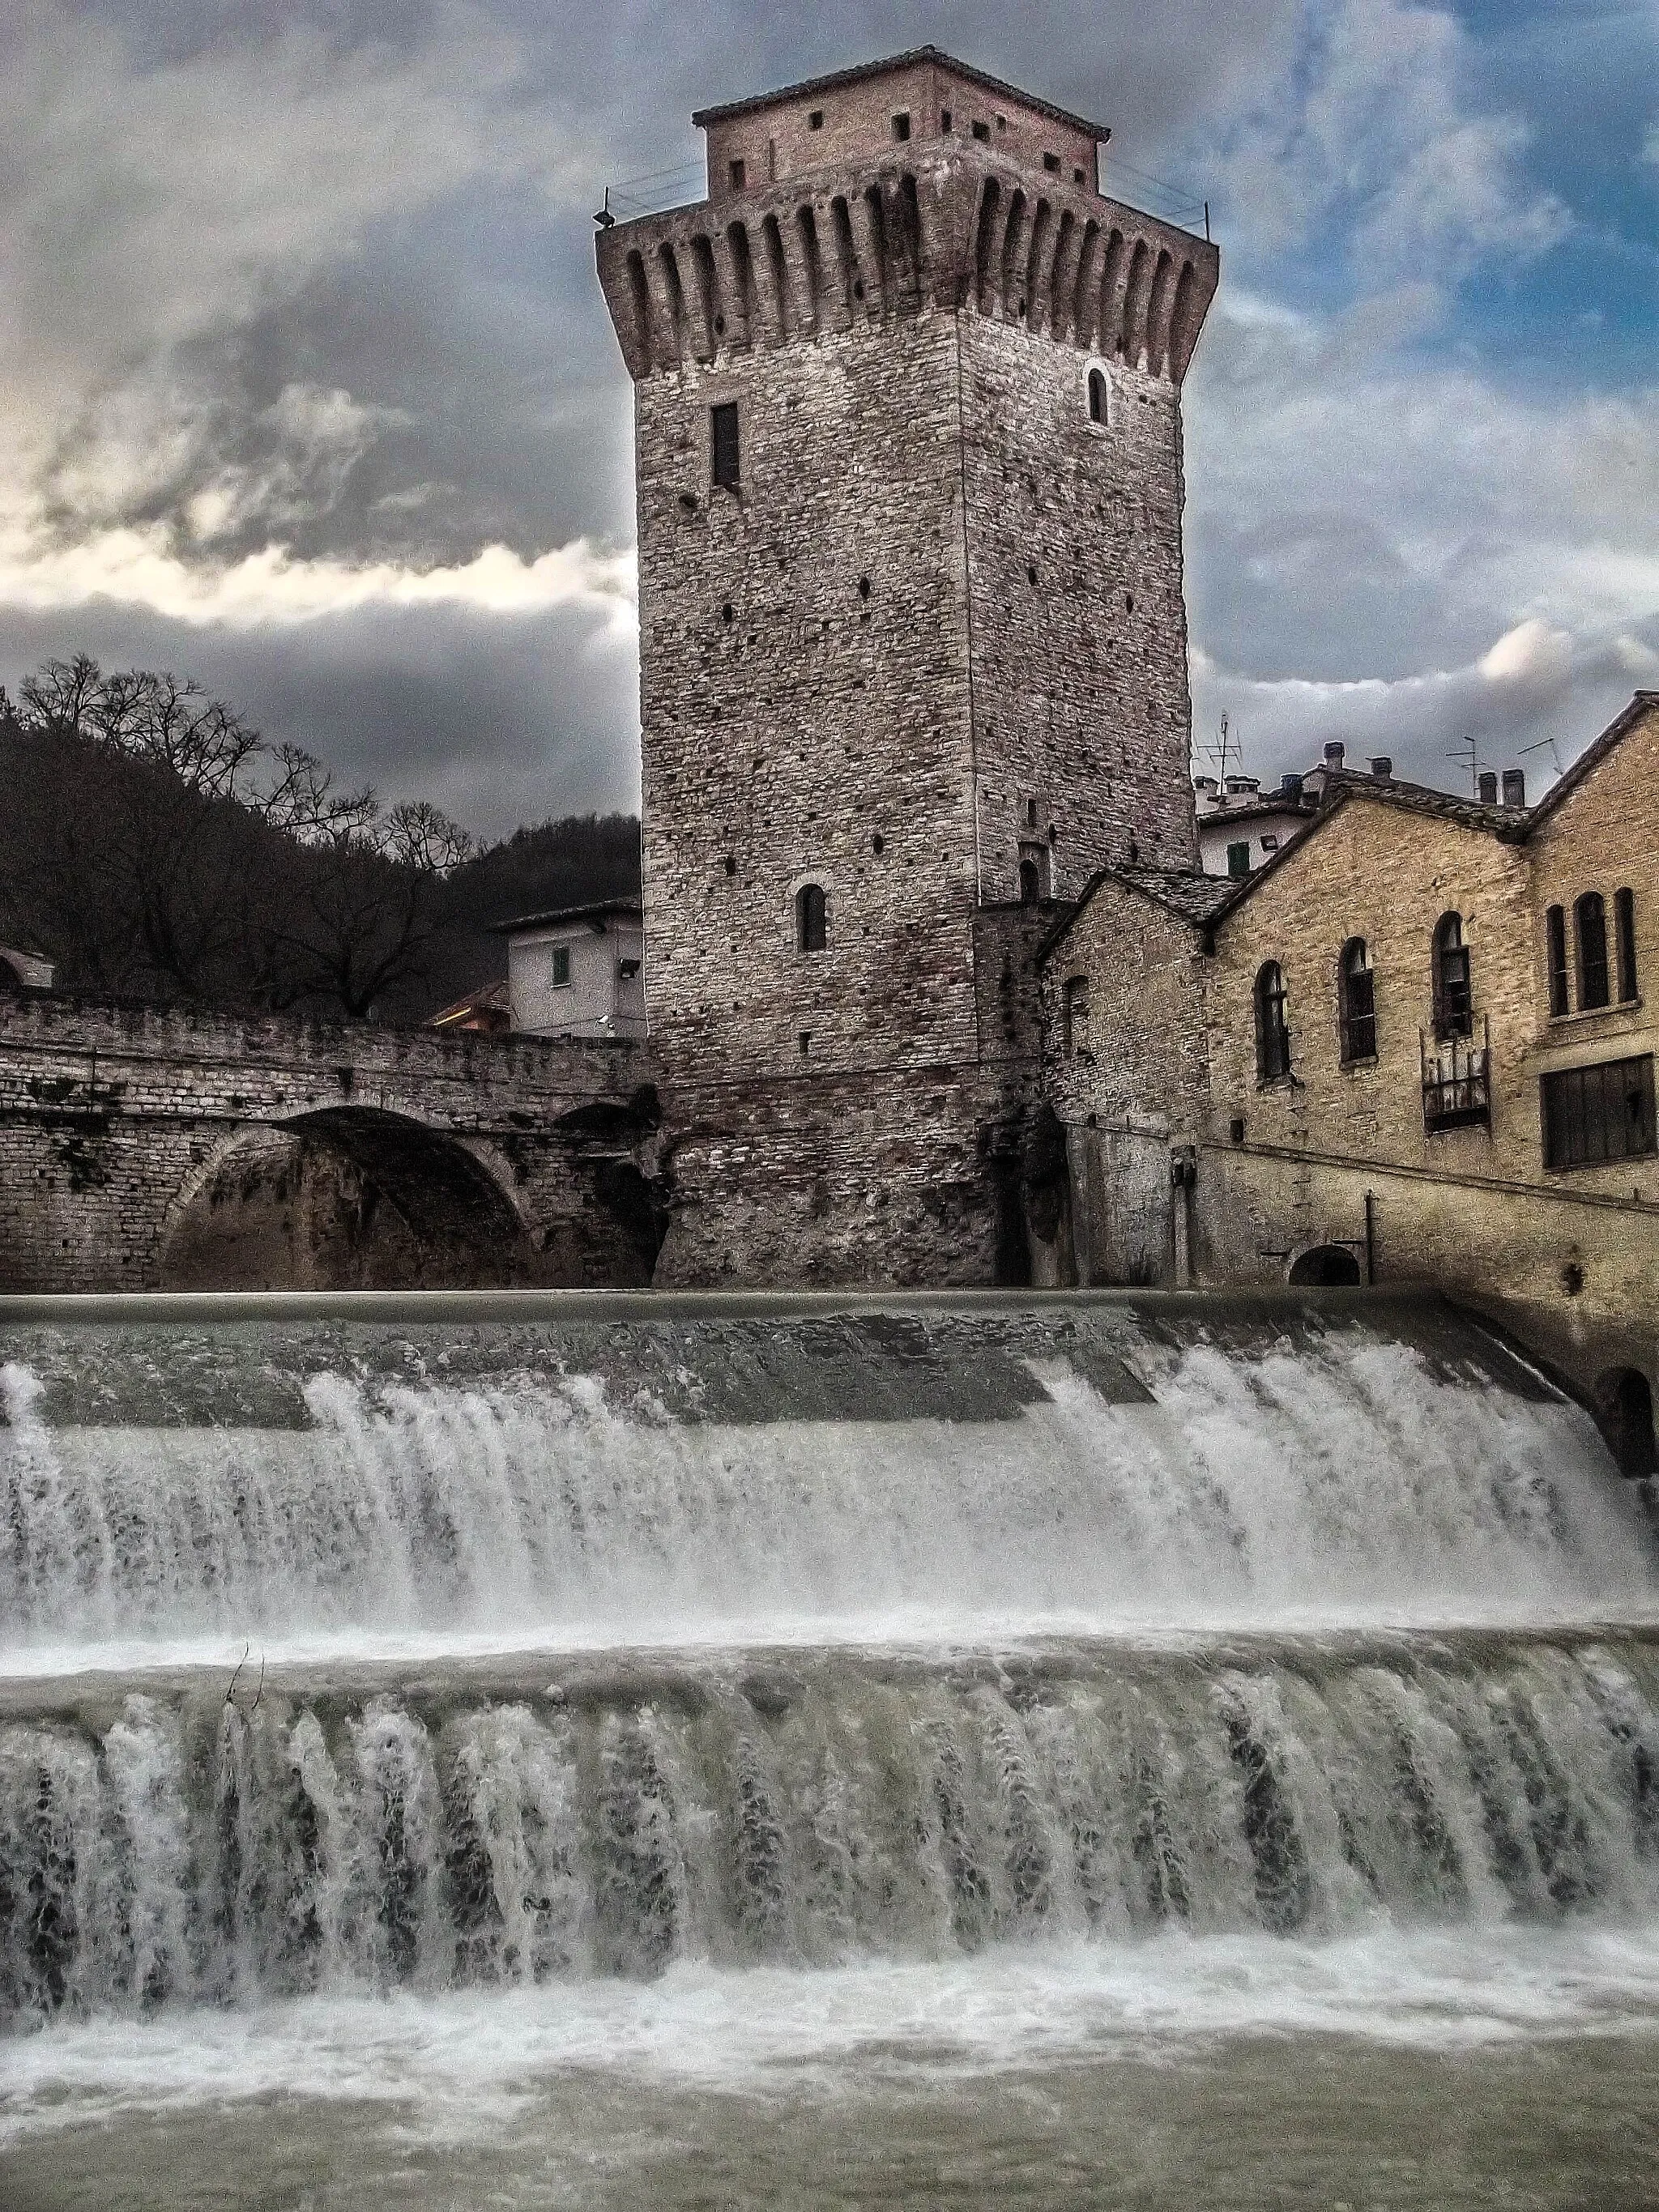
114, 1119
850, 678
1569, 1258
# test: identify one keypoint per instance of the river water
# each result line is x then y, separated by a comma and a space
597, 1752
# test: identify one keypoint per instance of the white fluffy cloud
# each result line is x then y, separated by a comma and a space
1372, 129
138, 569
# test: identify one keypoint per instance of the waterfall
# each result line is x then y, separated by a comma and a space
799, 1639
782, 1480
204, 1847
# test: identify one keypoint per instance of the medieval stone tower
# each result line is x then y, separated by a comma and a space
913, 643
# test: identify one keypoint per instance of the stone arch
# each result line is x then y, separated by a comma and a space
1326, 1268
1623, 1404
345, 1198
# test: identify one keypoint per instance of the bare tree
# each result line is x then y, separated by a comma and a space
159, 847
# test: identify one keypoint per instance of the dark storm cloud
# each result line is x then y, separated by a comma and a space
320, 279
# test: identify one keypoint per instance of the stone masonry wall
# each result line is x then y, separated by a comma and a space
1082, 715
112, 1118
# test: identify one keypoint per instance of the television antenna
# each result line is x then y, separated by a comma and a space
1227, 749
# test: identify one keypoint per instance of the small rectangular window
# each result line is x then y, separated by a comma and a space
1238, 859
1595, 1114
901, 128
982, 130
628, 969
739, 175
944, 121
561, 963
814, 120
723, 446
1051, 163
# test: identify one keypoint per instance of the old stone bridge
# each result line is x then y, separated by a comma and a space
143, 1147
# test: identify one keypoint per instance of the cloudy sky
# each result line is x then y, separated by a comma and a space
306, 388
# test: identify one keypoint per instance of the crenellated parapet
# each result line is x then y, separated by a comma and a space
865, 246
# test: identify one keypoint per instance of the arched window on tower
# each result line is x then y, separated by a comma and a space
1589, 925
1454, 991
1273, 1028
812, 918
1098, 401
1356, 1001
1031, 883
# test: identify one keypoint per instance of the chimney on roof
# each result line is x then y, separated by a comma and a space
1335, 752
1291, 787
1515, 786
1383, 767
1489, 786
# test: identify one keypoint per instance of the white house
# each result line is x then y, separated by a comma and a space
579, 971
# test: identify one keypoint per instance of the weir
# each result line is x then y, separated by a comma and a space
352, 1645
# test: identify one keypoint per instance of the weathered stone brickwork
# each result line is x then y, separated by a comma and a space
1283, 1165
142, 1146
933, 635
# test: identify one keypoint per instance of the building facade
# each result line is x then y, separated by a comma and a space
1418, 1045
912, 644
578, 971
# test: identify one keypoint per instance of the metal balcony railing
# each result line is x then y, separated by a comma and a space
1456, 1085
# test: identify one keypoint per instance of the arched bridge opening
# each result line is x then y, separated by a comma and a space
1623, 1404
348, 1198
1327, 1267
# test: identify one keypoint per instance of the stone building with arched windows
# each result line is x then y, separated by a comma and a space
1418, 1045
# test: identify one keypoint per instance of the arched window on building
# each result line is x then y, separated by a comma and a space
1454, 988
1555, 930
1030, 881
1624, 931
1272, 1031
1589, 925
1099, 403
812, 918
1356, 1001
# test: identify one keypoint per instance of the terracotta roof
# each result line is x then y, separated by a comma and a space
490, 999
1592, 756
595, 911
863, 71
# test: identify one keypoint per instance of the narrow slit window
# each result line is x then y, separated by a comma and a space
561, 963
812, 918
1358, 1001
723, 444
944, 121
1076, 1016
1555, 923
1589, 917
1272, 1027
1624, 920
1098, 401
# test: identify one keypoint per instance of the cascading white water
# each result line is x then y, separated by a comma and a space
580, 1655
189, 1846
1109, 1471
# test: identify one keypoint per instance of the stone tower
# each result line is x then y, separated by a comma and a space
913, 643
